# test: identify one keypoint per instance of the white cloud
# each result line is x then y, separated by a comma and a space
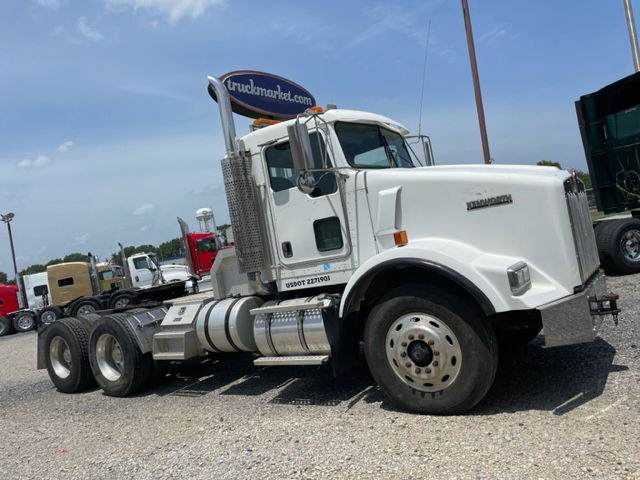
87, 31
144, 209
145, 228
49, 3
489, 37
81, 239
65, 146
39, 161
173, 10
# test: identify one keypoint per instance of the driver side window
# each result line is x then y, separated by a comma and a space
283, 176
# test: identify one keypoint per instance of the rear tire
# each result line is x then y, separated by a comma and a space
5, 326
67, 355
49, 314
120, 368
430, 350
619, 245
85, 306
121, 300
24, 322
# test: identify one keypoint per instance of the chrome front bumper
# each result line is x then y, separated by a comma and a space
572, 319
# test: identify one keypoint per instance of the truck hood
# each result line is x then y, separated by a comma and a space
512, 211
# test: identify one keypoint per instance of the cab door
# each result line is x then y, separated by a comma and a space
310, 229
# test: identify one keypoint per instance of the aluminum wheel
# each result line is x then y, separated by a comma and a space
122, 302
60, 356
630, 245
48, 316
25, 322
86, 308
424, 352
109, 357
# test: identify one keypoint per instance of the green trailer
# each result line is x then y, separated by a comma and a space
609, 121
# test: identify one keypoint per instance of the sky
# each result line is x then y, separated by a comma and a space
107, 132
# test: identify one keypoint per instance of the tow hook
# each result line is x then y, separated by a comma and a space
606, 305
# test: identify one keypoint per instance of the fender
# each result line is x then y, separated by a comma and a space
436, 256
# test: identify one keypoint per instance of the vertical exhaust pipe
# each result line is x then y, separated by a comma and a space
242, 198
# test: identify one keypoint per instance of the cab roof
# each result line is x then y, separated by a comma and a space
279, 130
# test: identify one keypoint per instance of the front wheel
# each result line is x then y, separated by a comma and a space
430, 350
50, 314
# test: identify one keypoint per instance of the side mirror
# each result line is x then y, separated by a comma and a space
302, 156
153, 269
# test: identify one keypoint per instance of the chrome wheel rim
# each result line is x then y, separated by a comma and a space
109, 357
630, 245
48, 317
122, 302
87, 308
423, 352
25, 322
60, 355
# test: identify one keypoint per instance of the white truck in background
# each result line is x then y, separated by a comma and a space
36, 289
147, 272
343, 239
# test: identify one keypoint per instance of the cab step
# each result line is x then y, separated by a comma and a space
291, 360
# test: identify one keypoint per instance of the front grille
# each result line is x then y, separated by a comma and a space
582, 227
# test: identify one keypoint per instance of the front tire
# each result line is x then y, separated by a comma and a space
430, 350
49, 314
120, 368
85, 306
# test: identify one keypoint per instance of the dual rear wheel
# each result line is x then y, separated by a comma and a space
79, 354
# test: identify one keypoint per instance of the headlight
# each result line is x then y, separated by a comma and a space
519, 278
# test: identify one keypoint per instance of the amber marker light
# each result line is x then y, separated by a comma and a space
316, 109
400, 238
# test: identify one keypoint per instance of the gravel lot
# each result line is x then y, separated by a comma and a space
570, 412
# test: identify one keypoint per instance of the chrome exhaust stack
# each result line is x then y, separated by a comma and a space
242, 198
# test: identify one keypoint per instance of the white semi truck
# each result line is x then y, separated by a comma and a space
342, 240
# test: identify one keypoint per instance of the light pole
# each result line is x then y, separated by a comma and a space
633, 38
476, 82
7, 219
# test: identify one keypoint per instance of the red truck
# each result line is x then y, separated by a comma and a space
12, 317
201, 249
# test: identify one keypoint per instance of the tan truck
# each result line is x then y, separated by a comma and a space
78, 288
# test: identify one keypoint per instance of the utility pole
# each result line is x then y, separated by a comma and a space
7, 219
21, 293
476, 82
633, 38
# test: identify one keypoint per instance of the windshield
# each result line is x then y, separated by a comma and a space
371, 146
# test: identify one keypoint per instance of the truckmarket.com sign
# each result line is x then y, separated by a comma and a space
259, 94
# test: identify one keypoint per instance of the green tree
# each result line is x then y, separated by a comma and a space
172, 248
55, 261
31, 269
583, 176
76, 257
548, 163
3, 278
223, 228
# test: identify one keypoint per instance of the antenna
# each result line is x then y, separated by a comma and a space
424, 74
